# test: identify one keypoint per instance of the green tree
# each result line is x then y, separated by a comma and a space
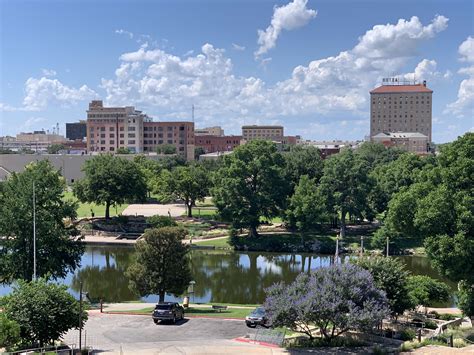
123, 150
250, 185
161, 263
110, 180
301, 160
198, 151
186, 183
9, 332
44, 311
391, 277
392, 177
55, 148
150, 169
166, 149
466, 298
306, 209
424, 290
345, 184
58, 247
376, 154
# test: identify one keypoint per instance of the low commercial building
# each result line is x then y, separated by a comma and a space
328, 148
37, 141
410, 141
210, 143
214, 155
272, 133
209, 131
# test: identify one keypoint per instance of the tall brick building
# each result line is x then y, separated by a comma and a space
401, 108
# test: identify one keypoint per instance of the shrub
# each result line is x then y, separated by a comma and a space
121, 219
158, 221
459, 343
430, 324
446, 316
407, 334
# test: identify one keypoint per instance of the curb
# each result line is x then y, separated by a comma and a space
262, 343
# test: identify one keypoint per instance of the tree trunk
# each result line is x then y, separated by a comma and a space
190, 209
342, 232
162, 296
253, 231
107, 210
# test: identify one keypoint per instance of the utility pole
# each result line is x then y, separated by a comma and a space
34, 232
80, 317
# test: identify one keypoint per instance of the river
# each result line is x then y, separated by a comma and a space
220, 276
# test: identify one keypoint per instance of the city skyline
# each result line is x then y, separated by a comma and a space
308, 66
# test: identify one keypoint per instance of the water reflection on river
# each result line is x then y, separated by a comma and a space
221, 276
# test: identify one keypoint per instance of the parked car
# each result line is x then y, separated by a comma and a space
168, 311
257, 317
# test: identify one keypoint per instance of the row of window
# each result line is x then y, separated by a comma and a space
161, 129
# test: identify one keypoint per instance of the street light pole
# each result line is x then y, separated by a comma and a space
34, 232
80, 317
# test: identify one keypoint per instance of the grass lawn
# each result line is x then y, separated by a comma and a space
222, 243
203, 311
84, 209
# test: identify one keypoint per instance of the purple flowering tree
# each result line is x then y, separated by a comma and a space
335, 299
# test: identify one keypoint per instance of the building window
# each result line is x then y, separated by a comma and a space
111, 142
131, 129
131, 135
121, 129
102, 142
170, 141
131, 142
170, 128
111, 129
122, 142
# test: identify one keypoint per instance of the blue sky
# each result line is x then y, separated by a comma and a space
305, 64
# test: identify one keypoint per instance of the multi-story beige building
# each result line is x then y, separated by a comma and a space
111, 128
273, 133
209, 131
412, 142
401, 108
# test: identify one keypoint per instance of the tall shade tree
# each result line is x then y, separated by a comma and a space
302, 160
376, 154
186, 183
424, 290
345, 185
44, 311
250, 185
58, 247
9, 332
335, 299
110, 180
161, 263
306, 209
391, 277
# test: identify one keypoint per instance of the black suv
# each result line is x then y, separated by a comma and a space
168, 311
257, 317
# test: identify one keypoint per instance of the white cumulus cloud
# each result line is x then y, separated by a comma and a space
288, 17
464, 105
125, 33
40, 92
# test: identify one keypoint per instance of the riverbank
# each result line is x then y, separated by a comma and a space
279, 243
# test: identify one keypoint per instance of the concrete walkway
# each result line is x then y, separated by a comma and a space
148, 210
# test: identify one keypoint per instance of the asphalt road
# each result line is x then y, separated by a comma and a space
130, 334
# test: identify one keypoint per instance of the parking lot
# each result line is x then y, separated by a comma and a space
131, 334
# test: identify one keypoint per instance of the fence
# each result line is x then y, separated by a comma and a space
270, 336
